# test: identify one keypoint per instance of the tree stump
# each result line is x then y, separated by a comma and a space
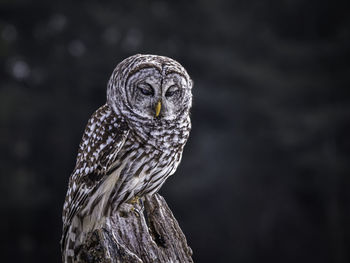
143, 232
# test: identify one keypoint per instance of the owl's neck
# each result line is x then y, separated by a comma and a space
160, 134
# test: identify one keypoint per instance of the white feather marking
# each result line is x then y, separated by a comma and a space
104, 191
109, 140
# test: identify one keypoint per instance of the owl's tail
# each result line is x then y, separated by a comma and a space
70, 243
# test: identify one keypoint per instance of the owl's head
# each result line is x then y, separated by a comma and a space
150, 88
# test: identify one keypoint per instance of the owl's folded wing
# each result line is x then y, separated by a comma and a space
103, 137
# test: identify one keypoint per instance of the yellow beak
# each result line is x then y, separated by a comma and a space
158, 107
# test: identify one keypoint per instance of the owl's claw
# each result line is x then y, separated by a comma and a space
135, 211
137, 205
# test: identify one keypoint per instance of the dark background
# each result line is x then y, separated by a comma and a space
265, 174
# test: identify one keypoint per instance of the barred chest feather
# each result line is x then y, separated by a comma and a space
144, 165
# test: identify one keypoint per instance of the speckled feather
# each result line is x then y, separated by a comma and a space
103, 137
123, 152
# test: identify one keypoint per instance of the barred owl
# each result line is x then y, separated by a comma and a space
130, 146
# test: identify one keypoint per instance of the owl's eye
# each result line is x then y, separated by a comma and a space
172, 91
146, 89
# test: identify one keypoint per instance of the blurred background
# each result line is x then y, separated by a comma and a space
265, 174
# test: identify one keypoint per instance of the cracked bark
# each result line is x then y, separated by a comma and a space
148, 233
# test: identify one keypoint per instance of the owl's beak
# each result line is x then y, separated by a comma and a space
158, 108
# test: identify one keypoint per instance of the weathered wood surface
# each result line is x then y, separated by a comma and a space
146, 232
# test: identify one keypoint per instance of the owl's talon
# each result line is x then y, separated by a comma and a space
136, 203
135, 211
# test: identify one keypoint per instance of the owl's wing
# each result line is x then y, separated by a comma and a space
103, 137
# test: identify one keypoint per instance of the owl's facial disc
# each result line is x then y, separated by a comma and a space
154, 96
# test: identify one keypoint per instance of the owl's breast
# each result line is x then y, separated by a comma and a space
159, 166
148, 157
147, 166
